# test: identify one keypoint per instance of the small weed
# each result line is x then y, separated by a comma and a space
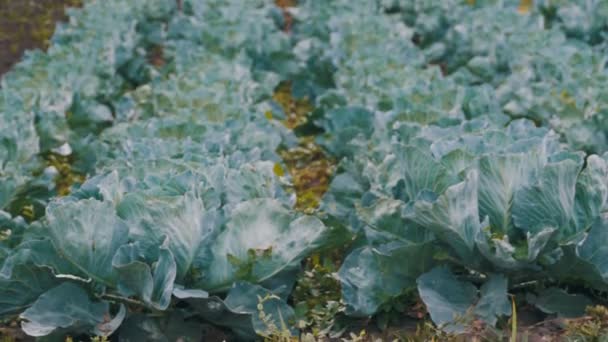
593, 327
273, 333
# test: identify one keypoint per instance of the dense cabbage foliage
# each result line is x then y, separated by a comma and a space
470, 137
447, 165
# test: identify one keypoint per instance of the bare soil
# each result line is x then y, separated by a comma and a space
26, 25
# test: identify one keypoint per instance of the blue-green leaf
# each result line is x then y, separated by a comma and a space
371, 276
240, 310
453, 217
21, 285
154, 285
550, 201
261, 238
557, 301
494, 302
409, 170
447, 299
179, 219
592, 191
87, 233
500, 176
65, 306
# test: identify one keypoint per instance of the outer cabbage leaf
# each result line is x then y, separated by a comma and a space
21, 285
453, 303
66, 306
549, 201
493, 302
179, 219
447, 299
176, 326
344, 126
557, 301
154, 285
453, 217
592, 191
386, 221
594, 249
261, 238
409, 170
500, 176
372, 276
345, 193
88, 233
564, 263
240, 310
43, 254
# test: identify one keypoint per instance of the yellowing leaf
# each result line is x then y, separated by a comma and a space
525, 6
278, 170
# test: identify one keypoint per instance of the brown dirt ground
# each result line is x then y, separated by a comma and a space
26, 25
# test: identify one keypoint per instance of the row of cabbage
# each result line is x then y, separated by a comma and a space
464, 131
182, 198
433, 109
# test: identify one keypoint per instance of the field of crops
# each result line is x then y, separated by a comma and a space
208, 170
